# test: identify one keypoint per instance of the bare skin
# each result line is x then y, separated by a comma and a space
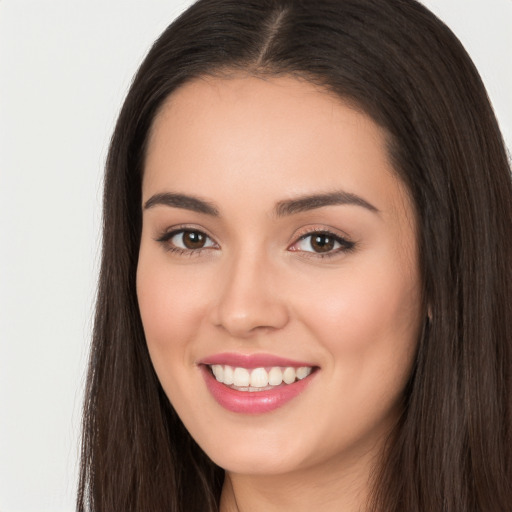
257, 268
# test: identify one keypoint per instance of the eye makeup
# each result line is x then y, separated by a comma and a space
315, 243
322, 243
186, 241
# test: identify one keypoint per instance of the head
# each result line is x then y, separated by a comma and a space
301, 246
396, 65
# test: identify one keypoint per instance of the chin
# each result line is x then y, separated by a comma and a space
255, 462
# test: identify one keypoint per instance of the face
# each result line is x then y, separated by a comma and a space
279, 252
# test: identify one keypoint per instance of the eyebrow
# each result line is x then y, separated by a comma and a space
282, 208
182, 201
305, 203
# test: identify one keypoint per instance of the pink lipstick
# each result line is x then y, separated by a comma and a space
256, 383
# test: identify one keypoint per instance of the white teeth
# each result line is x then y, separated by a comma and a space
218, 371
303, 372
241, 377
275, 376
289, 375
258, 379
228, 376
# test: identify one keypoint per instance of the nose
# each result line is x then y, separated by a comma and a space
249, 300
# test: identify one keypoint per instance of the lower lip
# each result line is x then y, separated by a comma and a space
253, 402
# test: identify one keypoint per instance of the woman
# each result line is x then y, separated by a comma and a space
305, 290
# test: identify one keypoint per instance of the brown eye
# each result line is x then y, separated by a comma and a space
322, 243
193, 239
187, 240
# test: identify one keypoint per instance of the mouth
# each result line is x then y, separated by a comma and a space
252, 384
258, 379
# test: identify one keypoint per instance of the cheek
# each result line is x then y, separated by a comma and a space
368, 321
171, 305
171, 309
369, 326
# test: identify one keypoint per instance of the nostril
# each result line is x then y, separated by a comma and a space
249, 317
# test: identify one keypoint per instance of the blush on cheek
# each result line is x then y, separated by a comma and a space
363, 317
170, 307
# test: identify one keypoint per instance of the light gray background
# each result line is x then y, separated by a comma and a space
65, 66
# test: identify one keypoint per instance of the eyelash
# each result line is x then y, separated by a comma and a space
165, 240
345, 245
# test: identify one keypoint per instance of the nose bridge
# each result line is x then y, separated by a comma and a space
248, 299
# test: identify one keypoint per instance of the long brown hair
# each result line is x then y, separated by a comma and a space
452, 449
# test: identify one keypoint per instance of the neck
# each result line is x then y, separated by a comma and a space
327, 488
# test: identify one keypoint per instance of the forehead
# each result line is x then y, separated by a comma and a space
276, 137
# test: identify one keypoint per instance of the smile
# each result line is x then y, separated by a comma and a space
255, 384
258, 379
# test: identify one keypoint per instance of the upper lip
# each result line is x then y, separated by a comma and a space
252, 360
